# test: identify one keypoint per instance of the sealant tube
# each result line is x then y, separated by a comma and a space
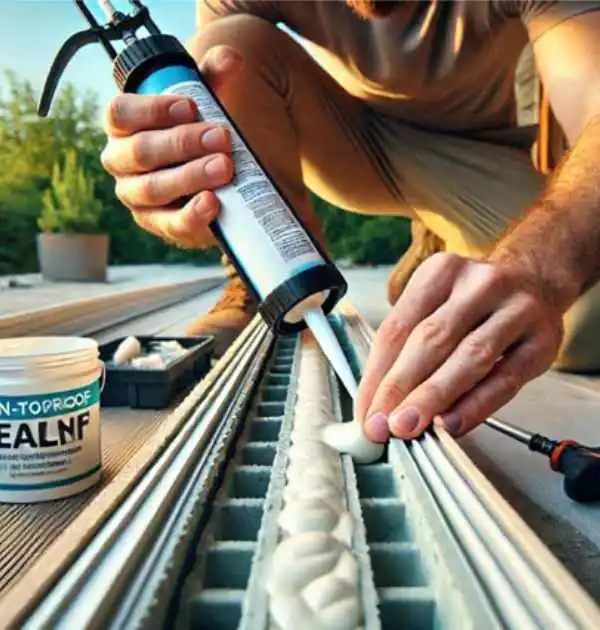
266, 241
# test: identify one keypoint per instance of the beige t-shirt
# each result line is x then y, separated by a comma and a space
440, 64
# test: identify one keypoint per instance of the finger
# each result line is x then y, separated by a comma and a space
219, 66
130, 113
474, 358
435, 338
429, 287
161, 188
527, 361
428, 345
152, 150
188, 226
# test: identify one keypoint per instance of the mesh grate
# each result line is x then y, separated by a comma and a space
227, 549
400, 570
399, 574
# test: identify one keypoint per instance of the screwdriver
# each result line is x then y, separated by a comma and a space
579, 464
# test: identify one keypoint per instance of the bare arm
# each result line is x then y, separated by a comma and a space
559, 239
466, 335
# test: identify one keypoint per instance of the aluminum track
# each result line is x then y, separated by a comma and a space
124, 433
459, 520
112, 577
189, 545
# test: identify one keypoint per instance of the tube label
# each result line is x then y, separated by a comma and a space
270, 243
49, 440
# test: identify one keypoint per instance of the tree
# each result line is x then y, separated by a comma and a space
363, 239
70, 205
30, 147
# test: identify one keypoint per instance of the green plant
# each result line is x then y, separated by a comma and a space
70, 205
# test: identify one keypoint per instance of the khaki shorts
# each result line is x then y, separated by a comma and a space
311, 133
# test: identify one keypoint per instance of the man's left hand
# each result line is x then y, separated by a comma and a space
461, 341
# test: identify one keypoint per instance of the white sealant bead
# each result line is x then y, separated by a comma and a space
314, 515
128, 349
313, 582
349, 437
314, 487
322, 467
307, 433
313, 416
291, 612
300, 559
319, 593
313, 450
335, 600
306, 395
313, 403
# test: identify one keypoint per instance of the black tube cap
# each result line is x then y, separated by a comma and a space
135, 62
309, 282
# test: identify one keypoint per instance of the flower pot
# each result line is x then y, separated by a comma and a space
73, 257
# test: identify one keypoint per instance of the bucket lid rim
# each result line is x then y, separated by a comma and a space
12, 348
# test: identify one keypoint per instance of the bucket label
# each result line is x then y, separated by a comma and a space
49, 440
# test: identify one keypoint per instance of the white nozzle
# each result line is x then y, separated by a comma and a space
317, 321
346, 437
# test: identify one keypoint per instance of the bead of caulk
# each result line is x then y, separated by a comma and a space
299, 560
313, 580
313, 573
349, 437
312, 486
316, 515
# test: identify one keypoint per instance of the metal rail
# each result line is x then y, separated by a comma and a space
427, 505
112, 583
525, 584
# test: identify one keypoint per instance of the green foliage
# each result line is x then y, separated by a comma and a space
30, 149
363, 239
69, 205
19, 209
31, 184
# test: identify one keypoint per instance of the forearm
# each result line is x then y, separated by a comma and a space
558, 240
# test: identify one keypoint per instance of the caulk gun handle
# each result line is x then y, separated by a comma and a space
581, 468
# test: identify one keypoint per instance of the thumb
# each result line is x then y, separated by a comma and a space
220, 65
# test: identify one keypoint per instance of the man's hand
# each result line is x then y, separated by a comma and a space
159, 153
461, 341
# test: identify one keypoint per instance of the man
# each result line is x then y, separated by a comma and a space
405, 108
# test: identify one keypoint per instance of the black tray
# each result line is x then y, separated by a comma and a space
154, 389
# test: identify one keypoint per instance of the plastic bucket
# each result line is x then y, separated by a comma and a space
49, 417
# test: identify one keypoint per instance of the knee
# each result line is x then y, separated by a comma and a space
253, 37
580, 350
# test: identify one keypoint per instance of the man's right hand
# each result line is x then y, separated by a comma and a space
159, 153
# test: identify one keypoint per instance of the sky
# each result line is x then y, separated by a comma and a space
32, 31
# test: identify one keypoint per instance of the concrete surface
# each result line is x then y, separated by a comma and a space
556, 405
35, 292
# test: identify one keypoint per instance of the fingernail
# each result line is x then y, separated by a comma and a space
215, 140
377, 428
215, 167
181, 112
203, 207
452, 422
405, 421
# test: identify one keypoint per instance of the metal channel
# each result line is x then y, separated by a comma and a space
522, 584
111, 582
